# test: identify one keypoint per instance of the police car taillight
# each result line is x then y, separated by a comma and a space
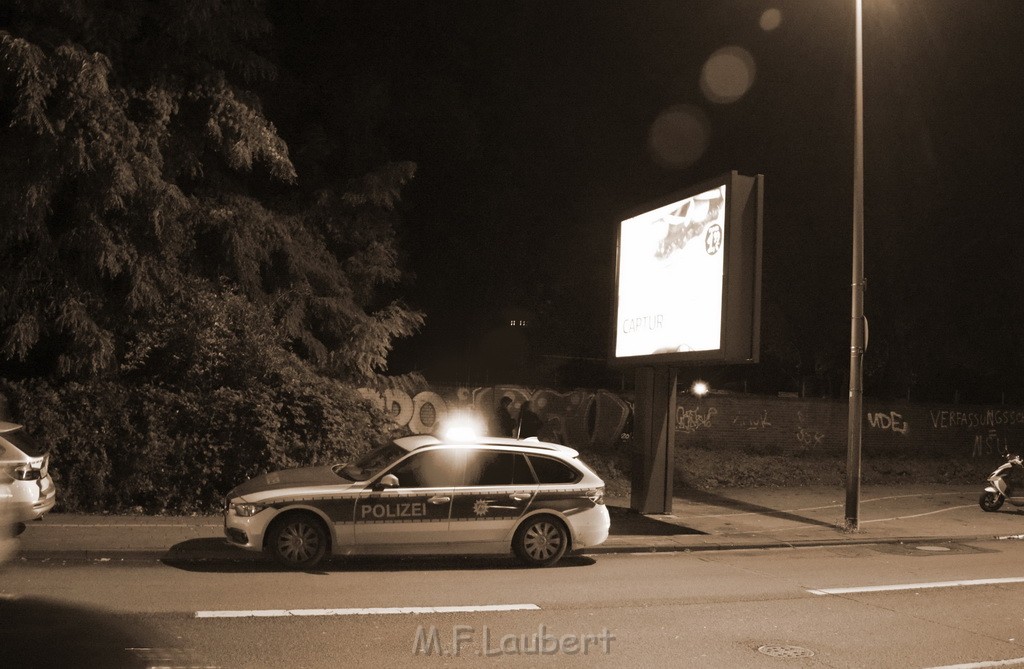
596, 496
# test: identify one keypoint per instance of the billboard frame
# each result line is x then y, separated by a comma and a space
740, 325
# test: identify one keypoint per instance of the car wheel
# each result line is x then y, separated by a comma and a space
298, 541
991, 501
541, 541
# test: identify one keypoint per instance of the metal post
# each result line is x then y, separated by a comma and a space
855, 422
654, 421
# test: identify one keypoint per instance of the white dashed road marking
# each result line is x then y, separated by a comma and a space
916, 586
280, 613
982, 665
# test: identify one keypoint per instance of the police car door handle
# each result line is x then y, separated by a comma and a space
439, 500
520, 496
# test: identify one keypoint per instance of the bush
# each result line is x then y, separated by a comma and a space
118, 448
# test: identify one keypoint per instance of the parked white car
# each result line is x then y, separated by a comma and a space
25, 483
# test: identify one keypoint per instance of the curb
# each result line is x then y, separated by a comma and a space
243, 556
805, 543
137, 554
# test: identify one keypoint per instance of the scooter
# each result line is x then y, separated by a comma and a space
1002, 488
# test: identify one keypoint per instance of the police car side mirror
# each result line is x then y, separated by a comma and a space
386, 481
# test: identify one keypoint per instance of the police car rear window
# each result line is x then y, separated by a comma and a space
550, 470
493, 468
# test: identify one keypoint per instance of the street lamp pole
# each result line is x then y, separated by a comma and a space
857, 324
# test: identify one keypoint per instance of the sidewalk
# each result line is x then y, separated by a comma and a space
811, 516
717, 520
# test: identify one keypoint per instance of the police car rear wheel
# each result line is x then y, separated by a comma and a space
541, 541
298, 541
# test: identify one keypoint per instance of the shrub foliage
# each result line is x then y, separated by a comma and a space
119, 448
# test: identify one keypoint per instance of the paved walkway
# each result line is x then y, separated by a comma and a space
717, 520
814, 516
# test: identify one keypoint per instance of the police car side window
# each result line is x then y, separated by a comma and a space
494, 468
433, 469
521, 473
550, 470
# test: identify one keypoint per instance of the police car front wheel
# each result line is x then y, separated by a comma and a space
298, 541
541, 541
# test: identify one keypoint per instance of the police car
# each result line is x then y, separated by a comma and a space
418, 496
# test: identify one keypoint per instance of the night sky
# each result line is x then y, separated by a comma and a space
536, 125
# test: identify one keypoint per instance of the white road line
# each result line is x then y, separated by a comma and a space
776, 528
917, 586
918, 515
982, 665
826, 506
281, 613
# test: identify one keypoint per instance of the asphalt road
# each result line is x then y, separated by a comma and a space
756, 608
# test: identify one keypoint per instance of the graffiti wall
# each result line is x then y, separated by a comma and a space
595, 418
789, 425
751, 423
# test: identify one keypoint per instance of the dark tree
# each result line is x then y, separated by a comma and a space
140, 174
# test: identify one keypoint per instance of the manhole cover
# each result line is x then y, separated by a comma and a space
936, 549
785, 651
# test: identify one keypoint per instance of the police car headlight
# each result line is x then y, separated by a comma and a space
246, 510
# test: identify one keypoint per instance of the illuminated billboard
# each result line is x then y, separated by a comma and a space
688, 276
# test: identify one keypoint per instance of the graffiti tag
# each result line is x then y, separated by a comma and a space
810, 437
991, 443
755, 423
691, 420
888, 421
990, 418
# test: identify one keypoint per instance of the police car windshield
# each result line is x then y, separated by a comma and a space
370, 464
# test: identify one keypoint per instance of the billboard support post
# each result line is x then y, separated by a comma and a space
654, 430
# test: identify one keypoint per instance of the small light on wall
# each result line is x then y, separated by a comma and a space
699, 388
